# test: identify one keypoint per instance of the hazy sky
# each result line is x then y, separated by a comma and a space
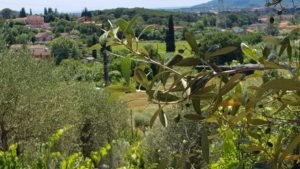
78, 5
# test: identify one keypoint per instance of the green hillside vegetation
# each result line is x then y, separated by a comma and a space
238, 4
150, 89
150, 16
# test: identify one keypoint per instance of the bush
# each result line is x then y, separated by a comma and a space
215, 40
70, 69
252, 38
63, 48
178, 144
34, 102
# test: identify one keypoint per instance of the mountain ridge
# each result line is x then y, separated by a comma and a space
236, 4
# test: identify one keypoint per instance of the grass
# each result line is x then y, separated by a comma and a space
138, 101
161, 46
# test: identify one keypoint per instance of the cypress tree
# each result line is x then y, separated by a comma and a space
50, 11
84, 12
30, 12
170, 37
45, 11
23, 13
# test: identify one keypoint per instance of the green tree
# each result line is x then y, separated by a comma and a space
45, 11
22, 13
23, 38
27, 85
170, 36
84, 12
7, 13
50, 11
33, 92
213, 41
93, 40
272, 29
63, 48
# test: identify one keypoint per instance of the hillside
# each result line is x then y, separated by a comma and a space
150, 16
235, 4
7, 13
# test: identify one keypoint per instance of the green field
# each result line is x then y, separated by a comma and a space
161, 46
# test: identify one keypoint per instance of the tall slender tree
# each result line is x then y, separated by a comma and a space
84, 12
23, 13
170, 37
93, 40
30, 12
45, 11
50, 11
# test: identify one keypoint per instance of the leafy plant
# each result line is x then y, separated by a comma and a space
224, 98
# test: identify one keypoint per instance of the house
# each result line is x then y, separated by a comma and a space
89, 59
263, 19
178, 27
43, 36
17, 47
70, 35
249, 30
257, 27
285, 25
237, 29
38, 51
85, 19
19, 20
35, 21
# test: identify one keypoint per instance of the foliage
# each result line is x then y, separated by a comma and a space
86, 13
252, 38
240, 19
272, 29
10, 159
170, 37
16, 32
32, 93
93, 40
149, 16
235, 116
249, 106
217, 40
71, 69
7, 13
63, 48
22, 13
49, 15
181, 142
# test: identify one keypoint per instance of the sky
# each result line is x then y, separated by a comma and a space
78, 5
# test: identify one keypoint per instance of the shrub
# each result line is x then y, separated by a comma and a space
63, 48
35, 102
215, 40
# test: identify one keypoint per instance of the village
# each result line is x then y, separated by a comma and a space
45, 31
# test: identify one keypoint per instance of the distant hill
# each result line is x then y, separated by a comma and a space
236, 4
7, 13
150, 16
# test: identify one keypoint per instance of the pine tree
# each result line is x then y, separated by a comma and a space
170, 37
50, 11
89, 14
30, 12
84, 12
23, 13
45, 11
